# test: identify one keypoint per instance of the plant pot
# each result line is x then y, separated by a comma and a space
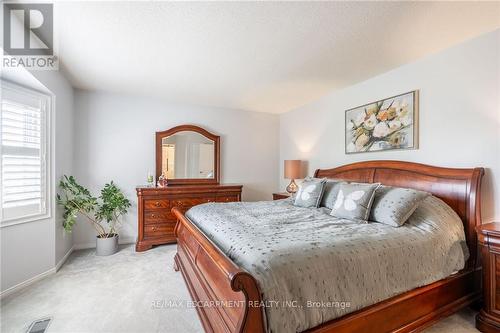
106, 246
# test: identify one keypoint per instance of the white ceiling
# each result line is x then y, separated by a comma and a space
259, 56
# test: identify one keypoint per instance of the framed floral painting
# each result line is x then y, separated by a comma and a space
390, 123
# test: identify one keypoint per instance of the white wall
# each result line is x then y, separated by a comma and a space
63, 148
115, 140
459, 116
34, 248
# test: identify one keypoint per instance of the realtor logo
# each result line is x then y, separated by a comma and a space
28, 36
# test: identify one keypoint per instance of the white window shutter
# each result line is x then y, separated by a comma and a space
24, 145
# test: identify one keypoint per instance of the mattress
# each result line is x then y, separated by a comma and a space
312, 267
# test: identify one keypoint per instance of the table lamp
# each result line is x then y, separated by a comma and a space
293, 170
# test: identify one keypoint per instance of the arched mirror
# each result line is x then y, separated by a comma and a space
188, 154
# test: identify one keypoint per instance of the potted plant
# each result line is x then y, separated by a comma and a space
109, 207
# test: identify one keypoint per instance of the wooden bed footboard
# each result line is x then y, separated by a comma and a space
226, 297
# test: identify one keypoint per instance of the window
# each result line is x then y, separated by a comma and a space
24, 136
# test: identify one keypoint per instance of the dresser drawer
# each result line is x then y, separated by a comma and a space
155, 220
227, 198
158, 216
156, 203
186, 203
159, 230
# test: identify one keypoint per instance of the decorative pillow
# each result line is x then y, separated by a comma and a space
330, 193
354, 201
394, 205
309, 193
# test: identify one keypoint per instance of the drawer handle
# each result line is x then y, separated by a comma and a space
157, 204
153, 215
153, 228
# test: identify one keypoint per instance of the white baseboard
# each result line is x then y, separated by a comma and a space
36, 278
63, 260
53, 270
121, 241
26, 283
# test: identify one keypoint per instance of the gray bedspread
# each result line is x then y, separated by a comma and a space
312, 267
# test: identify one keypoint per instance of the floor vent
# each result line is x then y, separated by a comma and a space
39, 326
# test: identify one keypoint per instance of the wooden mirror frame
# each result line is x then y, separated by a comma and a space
186, 181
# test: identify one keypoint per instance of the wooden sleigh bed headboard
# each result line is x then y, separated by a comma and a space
459, 188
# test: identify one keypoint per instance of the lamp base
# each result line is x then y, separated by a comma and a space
292, 187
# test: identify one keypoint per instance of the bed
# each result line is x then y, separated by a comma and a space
229, 297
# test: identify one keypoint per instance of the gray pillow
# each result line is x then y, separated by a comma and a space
309, 193
330, 193
354, 201
394, 205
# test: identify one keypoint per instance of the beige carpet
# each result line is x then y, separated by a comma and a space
126, 292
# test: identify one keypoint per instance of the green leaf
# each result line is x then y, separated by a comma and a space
77, 200
113, 203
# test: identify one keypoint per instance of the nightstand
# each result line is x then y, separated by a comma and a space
488, 319
281, 195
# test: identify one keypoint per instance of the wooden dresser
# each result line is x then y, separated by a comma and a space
155, 221
488, 319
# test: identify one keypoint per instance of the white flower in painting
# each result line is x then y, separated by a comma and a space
397, 139
305, 194
406, 120
394, 125
371, 109
359, 119
361, 141
370, 122
381, 130
402, 108
349, 201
